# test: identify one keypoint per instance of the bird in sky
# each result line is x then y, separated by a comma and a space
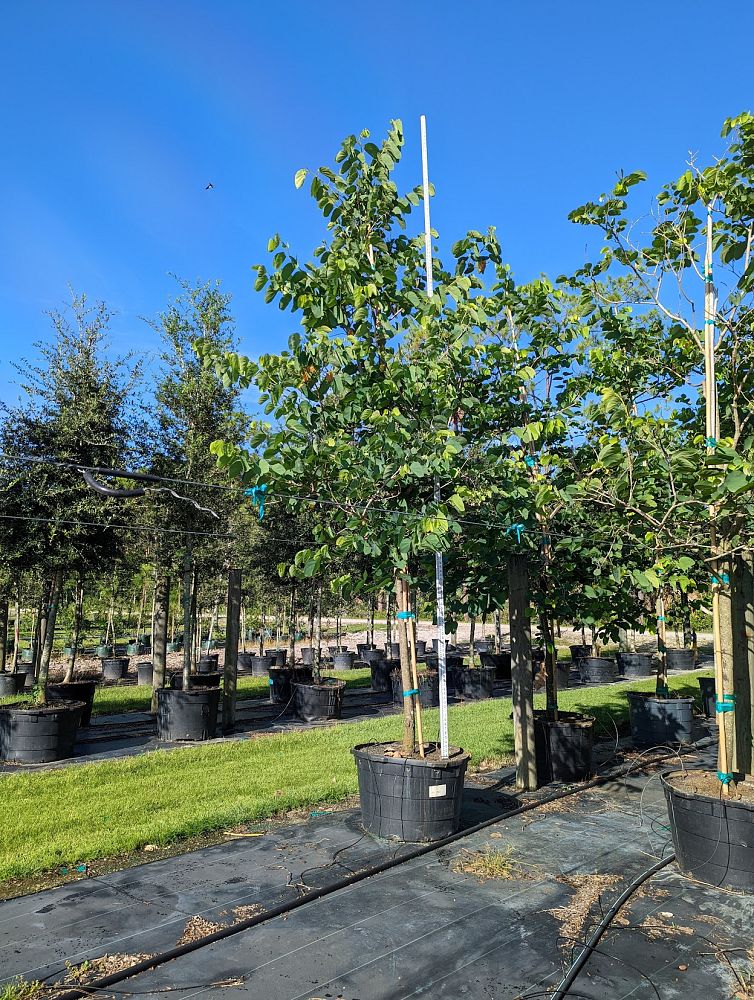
210, 186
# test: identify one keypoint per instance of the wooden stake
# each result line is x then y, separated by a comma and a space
411, 641
230, 667
521, 674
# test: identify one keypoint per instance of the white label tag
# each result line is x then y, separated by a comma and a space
437, 791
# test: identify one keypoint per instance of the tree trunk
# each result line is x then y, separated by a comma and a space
41, 636
521, 674
160, 634
142, 604
230, 669
78, 616
742, 581
317, 649
3, 634
498, 631
623, 641
472, 634
52, 614
292, 627
388, 623
17, 629
370, 626
688, 632
662, 649
188, 621
409, 731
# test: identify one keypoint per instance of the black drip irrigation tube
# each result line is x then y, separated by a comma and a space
570, 977
310, 897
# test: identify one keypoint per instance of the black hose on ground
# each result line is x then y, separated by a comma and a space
282, 908
570, 977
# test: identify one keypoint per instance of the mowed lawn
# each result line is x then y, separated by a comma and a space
88, 811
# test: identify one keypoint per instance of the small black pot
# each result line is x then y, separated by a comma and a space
381, 679
373, 656
244, 663
500, 662
633, 665
580, 651
279, 657
393, 650
410, 799
187, 715
114, 668
316, 702
563, 748
210, 680
655, 721
342, 661
429, 688
482, 645
713, 837
78, 691
477, 684
598, 670
302, 675
11, 684
709, 697
260, 665
421, 647
680, 659
39, 735
208, 663
144, 673
362, 647
307, 655
280, 685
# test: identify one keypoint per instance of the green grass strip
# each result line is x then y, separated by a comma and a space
83, 812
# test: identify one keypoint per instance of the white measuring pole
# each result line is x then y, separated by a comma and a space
439, 576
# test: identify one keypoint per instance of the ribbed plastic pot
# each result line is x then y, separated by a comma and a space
132, 648
78, 691
307, 655
11, 684
104, 652
187, 715
680, 659
500, 663
429, 688
393, 650
477, 684
39, 735
144, 673
634, 665
455, 668
174, 647
244, 663
260, 665
421, 647
343, 661
564, 748
373, 656
381, 680
280, 684
362, 647
332, 650
713, 837
279, 656
598, 670
317, 702
114, 668
659, 720
410, 799
578, 652
208, 663
709, 698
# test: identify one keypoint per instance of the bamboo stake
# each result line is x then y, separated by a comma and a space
411, 642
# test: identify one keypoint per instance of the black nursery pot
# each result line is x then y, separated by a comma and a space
373, 656
500, 662
477, 684
144, 673
580, 651
633, 665
421, 647
429, 688
381, 676
709, 698
598, 670
317, 702
659, 720
280, 684
260, 665
279, 657
187, 715
680, 659
307, 655
410, 799
564, 748
208, 663
39, 735
393, 650
244, 662
11, 684
82, 691
114, 668
713, 837
302, 675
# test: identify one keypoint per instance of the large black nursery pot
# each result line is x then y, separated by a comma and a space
635, 665
187, 715
564, 748
11, 684
709, 697
244, 663
343, 660
421, 647
477, 684
482, 645
144, 673
210, 680
362, 647
410, 799
39, 735
578, 652
279, 657
655, 721
429, 688
280, 685
260, 665
381, 676
317, 702
713, 835
500, 663
393, 650
208, 663
598, 670
82, 691
680, 659
373, 656
114, 668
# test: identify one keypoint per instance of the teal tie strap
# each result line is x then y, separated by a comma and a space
728, 704
407, 694
725, 777
710, 442
257, 496
403, 615
518, 528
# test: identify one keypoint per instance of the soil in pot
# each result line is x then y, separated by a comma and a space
713, 836
187, 715
144, 673
429, 688
82, 691
342, 661
563, 748
11, 684
260, 665
655, 721
316, 702
709, 697
477, 684
381, 676
598, 670
411, 799
114, 668
680, 659
32, 734
634, 665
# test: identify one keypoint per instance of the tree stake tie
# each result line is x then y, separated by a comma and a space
407, 694
404, 615
518, 528
728, 704
724, 777
710, 442
723, 578
257, 495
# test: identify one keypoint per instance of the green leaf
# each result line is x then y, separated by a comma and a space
300, 177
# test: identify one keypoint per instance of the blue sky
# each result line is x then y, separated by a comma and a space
115, 115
